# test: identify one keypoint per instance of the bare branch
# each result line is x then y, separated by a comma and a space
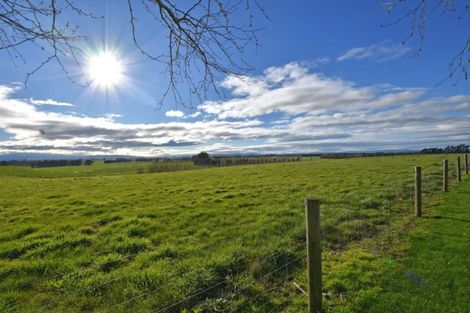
418, 14
204, 42
25, 22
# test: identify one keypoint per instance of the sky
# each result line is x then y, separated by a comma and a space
326, 77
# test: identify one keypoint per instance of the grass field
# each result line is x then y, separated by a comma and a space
435, 275
98, 168
210, 240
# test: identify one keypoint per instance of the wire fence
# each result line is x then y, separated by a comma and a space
367, 220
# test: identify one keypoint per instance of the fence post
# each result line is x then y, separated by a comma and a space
459, 170
418, 202
314, 270
466, 164
445, 175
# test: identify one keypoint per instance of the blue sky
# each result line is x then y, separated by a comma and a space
326, 78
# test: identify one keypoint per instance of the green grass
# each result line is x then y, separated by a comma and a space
435, 275
87, 242
98, 168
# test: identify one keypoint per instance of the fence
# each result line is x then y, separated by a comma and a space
312, 209
278, 269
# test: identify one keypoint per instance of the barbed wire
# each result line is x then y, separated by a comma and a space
270, 290
189, 297
266, 276
259, 261
217, 285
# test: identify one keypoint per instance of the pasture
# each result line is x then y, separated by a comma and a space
435, 275
227, 239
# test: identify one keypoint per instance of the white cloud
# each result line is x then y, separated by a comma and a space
6, 91
292, 90
36, 131
287, 109
50, 102
380, 52
112, 116
173, 113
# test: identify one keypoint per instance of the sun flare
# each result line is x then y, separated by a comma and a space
105, 69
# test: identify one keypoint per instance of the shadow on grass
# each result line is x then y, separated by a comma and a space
439, 217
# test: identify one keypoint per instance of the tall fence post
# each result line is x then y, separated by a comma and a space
466, 164
314, 270
418, 200
445, 175
459, 170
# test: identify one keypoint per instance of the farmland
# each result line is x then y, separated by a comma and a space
99, 168
231, 239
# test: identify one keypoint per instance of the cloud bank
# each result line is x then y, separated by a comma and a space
286, 109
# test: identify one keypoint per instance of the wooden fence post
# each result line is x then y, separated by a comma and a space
466, 164
459, 170
418, 202
314, 270
445, 175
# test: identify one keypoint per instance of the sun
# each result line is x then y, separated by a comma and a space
105, 69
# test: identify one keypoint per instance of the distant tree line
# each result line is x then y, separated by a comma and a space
55, 163
47, 163
119, 160
16, 163
146, 159
127, 160
204, 159
355, 155
449, 149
